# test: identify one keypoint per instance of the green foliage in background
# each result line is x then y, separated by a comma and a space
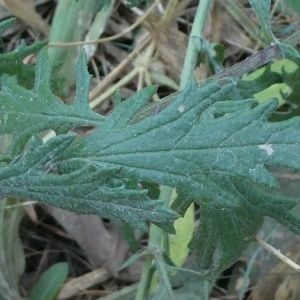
50, 282
12, 62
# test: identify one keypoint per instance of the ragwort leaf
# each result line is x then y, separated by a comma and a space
185, 143
223, 234
207, 149
216, 152
83, 189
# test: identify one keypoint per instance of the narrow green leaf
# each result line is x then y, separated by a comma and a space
133, 259
288, 51
130, 235
82, 83
50, 282
12, 258
164, 80
213, 51
262, 10
98, 25
188, 284
70, 23
5, 24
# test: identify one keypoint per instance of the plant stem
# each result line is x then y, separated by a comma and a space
155, 240
143, 286
238, 70
256, 60
192, 51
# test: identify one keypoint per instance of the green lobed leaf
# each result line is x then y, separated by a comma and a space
82, 189
206, 149
11, 63
282, 72
50, 282
224, 234
249, 86
24, 112
180, 146
292, 100
71, 21
216, 152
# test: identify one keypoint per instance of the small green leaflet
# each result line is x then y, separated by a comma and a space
50, 282
12, 62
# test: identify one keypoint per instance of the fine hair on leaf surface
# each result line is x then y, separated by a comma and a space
214, 150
